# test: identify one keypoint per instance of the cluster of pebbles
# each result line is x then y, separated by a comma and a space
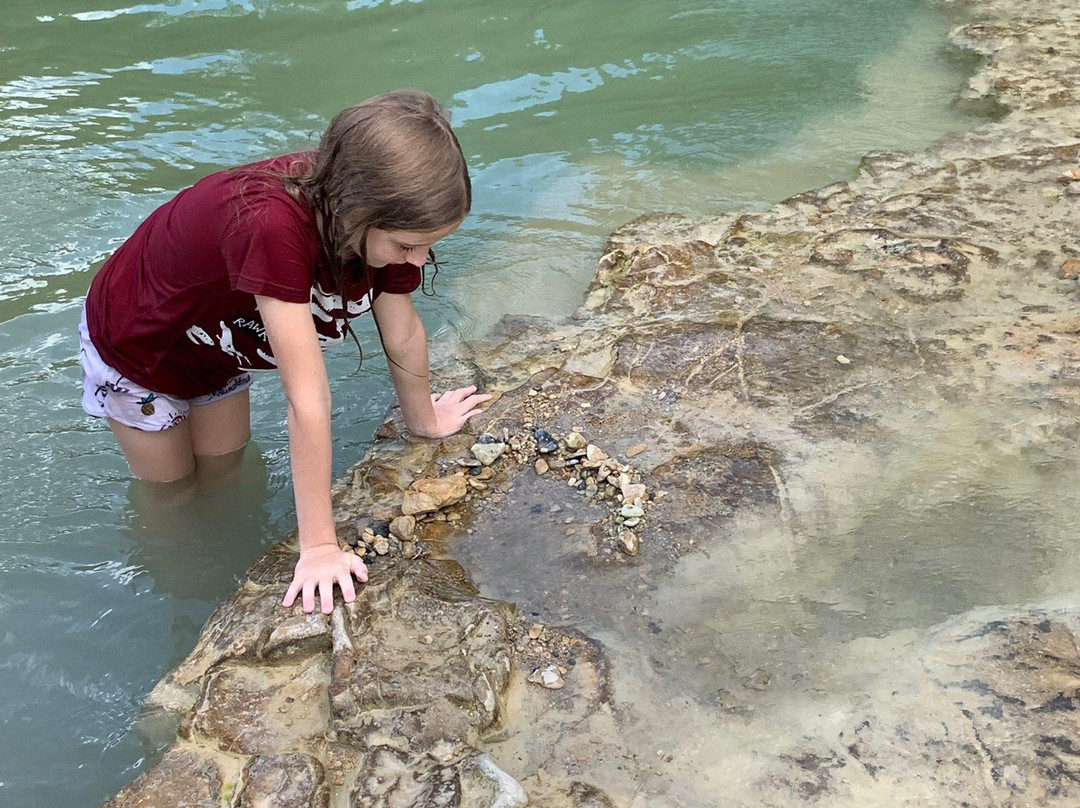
584, 466
550, 653
598, 477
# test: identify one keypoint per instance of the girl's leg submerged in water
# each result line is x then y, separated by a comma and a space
209, 443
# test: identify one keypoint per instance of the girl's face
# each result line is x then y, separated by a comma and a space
402, 246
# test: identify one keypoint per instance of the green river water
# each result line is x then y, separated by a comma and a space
575, 117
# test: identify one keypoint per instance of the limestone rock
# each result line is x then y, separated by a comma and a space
488, 453
184, 776
403, 527
628, 542
289, 780
432, 493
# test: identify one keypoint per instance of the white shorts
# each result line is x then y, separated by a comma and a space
107, 393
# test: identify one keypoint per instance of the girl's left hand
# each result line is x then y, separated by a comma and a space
453, 408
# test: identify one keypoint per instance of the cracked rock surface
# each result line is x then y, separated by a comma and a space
723, 374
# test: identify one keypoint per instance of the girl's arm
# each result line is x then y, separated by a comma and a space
405, 343
292, 337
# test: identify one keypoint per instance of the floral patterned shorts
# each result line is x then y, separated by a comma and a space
107, 393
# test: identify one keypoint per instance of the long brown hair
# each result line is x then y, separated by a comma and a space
390, 162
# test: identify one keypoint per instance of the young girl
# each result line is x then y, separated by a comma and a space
262, 267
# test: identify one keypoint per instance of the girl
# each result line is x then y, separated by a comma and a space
262, 267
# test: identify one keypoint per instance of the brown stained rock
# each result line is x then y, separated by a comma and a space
296, 634
1069, 270
1018, 683
242, 627
284, 781
403, 527
452, 779
425, 664
584, 795
256, 709
276, 567
184, 776
714, 482
760, 360
430, 494
920, 270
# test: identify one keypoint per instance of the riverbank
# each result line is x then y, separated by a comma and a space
732, 388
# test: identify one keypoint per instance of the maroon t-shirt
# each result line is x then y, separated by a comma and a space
174, 309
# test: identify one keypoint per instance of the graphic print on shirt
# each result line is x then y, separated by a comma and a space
330, 314
198, 335
226, 344
242, 338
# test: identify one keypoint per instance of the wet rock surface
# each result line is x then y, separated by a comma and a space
720, 375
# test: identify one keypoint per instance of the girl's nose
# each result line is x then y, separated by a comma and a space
417, 256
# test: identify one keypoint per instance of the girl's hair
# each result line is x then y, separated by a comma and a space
390, 162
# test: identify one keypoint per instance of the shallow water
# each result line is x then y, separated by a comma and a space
760, 642
572, 126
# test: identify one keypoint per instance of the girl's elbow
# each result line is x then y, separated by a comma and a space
309, 407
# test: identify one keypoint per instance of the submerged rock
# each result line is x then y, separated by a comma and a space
545, 444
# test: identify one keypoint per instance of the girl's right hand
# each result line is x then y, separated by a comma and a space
452, 409
320, 568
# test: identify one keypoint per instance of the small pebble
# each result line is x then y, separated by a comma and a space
628, 542
540, 466
402, 527
632, 493
536, 630
488, 453
634, 451
843, 360
548, 677
545, 444
575, 441
1069, 270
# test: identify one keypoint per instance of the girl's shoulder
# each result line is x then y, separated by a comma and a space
257, 191
283, 166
